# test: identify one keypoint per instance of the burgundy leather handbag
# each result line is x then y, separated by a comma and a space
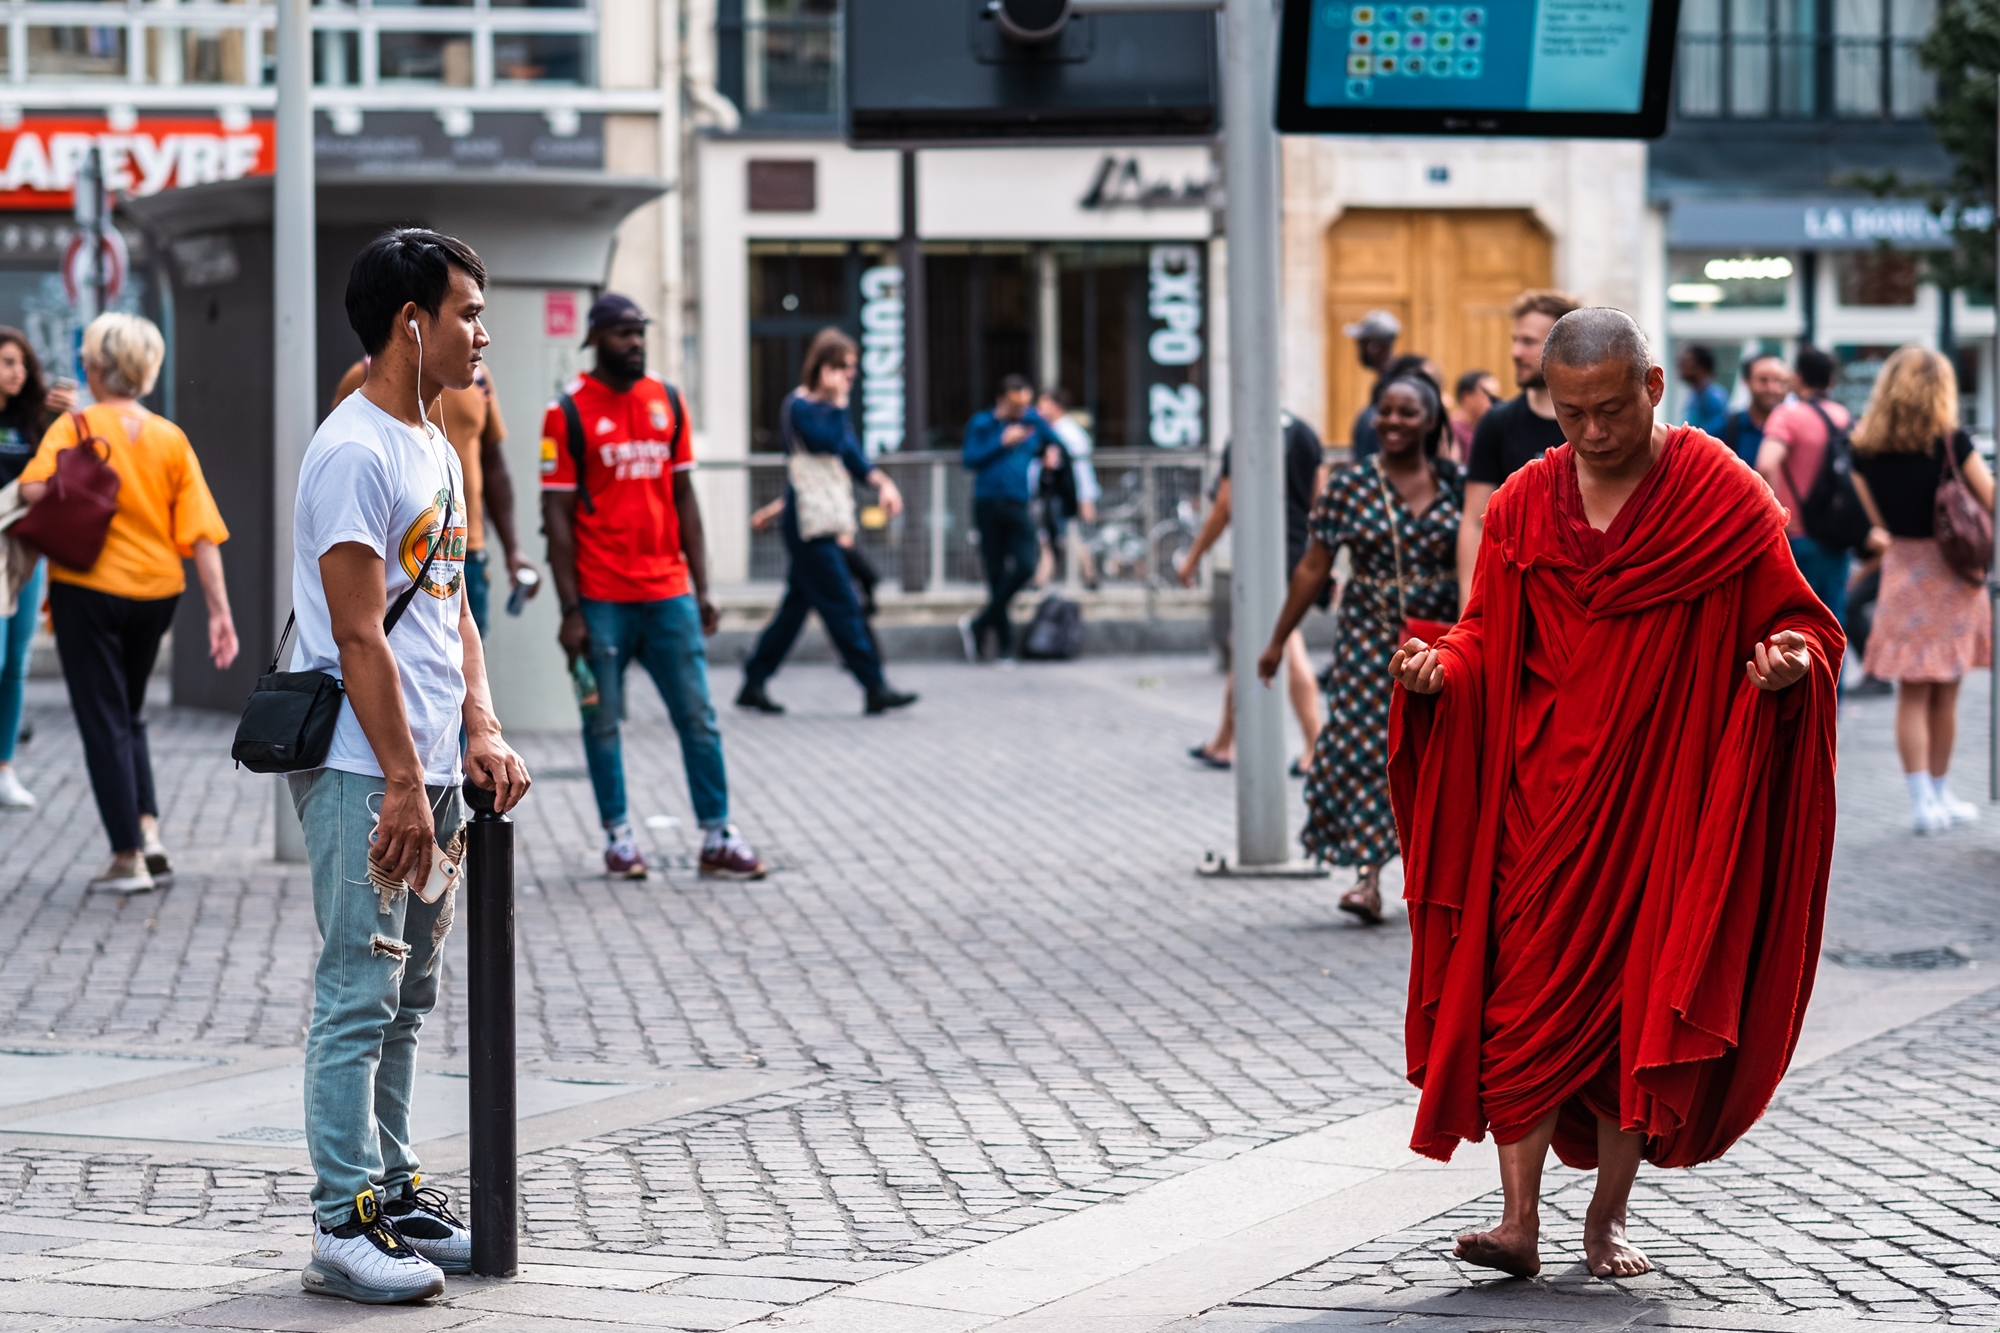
1963, 527
71, 520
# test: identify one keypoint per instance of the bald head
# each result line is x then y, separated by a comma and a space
1597, 336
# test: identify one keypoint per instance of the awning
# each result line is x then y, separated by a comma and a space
552, 227
1811, 224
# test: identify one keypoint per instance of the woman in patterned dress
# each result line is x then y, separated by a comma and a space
1349, 822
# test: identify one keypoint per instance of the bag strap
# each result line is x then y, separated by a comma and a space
81, 425
573, 428
1951, 458
1395, 544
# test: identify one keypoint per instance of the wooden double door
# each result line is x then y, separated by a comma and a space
1447, 274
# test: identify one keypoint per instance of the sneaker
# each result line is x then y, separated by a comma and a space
968, 638
112, 880
724, 855
157, 864
881, 701
423, 1217
365, 1260
622, 857
1957, 811
1930, 817
13, 796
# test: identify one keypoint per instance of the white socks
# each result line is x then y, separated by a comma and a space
1932, 806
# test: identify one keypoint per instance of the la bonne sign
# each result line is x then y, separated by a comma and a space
43, 153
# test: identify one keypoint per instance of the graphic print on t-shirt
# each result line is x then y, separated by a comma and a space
416, 545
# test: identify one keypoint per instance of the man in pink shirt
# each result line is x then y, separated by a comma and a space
1795, 436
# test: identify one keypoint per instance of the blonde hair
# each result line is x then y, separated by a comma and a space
1915, 400
126, 350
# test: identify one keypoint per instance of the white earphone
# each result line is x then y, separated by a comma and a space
422, 415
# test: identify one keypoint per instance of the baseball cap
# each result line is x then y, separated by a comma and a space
611, 308
1374, 324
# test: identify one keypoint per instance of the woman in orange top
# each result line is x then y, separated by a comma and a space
109, 619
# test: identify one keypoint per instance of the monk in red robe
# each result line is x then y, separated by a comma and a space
1613, 781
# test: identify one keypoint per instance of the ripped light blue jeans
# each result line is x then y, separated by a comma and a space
377, 978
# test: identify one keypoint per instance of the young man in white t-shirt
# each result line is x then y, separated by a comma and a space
378, 488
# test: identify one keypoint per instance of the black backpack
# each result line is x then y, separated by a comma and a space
1832, 512
1056, 633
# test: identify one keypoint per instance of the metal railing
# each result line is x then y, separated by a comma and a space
1789, 76
1147, 517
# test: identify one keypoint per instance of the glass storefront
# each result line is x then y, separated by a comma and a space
1122, 326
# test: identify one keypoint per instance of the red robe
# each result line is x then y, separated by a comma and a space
1615, 848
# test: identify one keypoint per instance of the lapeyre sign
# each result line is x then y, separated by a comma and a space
42, 154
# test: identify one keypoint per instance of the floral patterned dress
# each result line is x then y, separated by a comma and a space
1348, 820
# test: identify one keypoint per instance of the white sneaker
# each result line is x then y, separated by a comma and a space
13, 796
1957, 811
157, 864
110, 880
368, 1262
968, 639
423, 1217
1930, 817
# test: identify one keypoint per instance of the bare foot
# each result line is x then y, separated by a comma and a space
1509, 1247
1608, 1253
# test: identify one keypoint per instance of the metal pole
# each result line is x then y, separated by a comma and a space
294, 388
1993, 574
489, 994
916, 368
1257, 519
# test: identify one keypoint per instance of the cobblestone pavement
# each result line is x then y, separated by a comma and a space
999, 993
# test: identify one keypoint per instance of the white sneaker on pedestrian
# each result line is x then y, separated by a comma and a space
367, 1261
111, 879
1955, 810
1927, 813
423, 1217
968, 638
157, 864
13, 796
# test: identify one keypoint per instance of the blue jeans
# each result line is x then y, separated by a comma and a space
817, 580
1825, 573
377, 977
17, 635
665, 637
478, 588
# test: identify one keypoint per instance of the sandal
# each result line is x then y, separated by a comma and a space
1200, 755
1363, 902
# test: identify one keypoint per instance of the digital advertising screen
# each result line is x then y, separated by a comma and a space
1574, 68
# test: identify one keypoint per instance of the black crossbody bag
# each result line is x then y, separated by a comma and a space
287, 725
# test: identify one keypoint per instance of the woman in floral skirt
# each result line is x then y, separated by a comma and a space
1397, 514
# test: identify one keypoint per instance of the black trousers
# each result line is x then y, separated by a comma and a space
108, 646
1009, 549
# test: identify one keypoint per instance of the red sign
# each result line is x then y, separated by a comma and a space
559, 315
79, 274
42, 154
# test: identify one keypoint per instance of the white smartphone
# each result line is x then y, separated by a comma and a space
443, 875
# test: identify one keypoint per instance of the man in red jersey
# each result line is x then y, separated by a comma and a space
628, 560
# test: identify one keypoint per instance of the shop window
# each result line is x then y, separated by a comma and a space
337, 59
981, 306
1860, 365
426, 57
541, 57
534, 4
76, 53
1728, 280
795, 291
422, 4
1875, 278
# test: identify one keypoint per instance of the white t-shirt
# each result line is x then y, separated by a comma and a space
369, 478
1077, 440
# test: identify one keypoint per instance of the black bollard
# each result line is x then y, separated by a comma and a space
489, 947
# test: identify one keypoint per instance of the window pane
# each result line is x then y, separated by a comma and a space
541, 57
337, 59
426, 57
76, 53
534, 4
1875, 278
424, 4
211, 55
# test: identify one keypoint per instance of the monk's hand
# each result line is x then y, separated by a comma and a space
1779, 662
1418, 668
